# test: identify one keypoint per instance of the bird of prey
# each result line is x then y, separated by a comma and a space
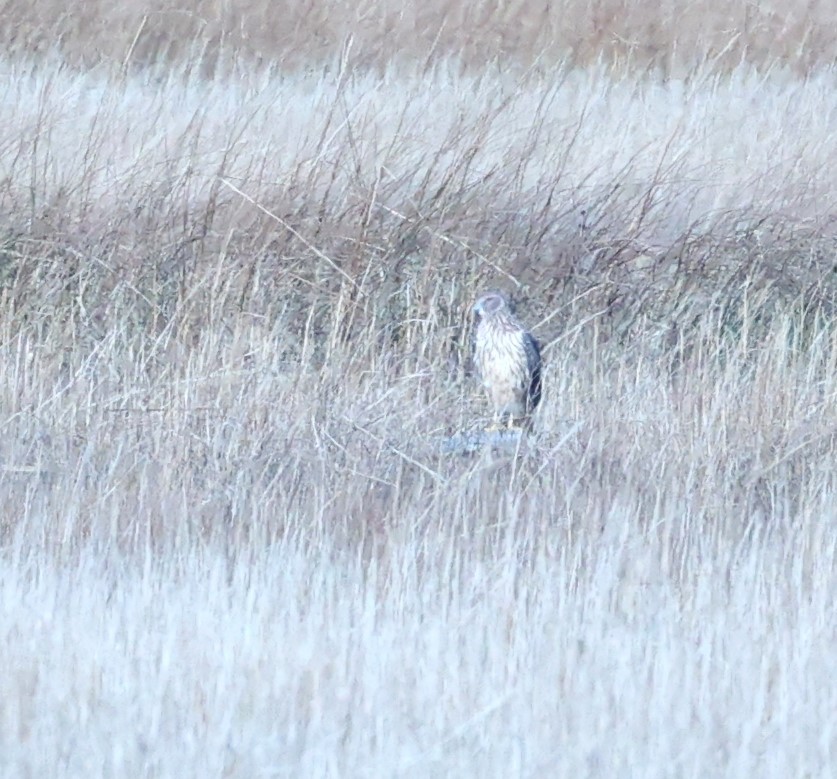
508, 359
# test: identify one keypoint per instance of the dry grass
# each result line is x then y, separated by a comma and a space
668, 36
234, 332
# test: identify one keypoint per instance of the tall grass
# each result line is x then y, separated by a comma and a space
667, 36
235, 332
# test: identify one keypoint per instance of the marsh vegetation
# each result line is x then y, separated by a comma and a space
236, 263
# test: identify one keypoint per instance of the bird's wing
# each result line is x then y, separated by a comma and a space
533, 364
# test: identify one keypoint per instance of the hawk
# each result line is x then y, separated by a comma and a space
508, 359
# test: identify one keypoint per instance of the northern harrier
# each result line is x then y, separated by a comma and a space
508, 359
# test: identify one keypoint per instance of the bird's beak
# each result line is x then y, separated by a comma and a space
477, 309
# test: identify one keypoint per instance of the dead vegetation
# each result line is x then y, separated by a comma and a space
235, 331
669, 38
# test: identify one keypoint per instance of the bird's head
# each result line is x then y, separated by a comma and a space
491, 303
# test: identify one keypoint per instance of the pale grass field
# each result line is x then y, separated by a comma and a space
666, 36
234, 333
